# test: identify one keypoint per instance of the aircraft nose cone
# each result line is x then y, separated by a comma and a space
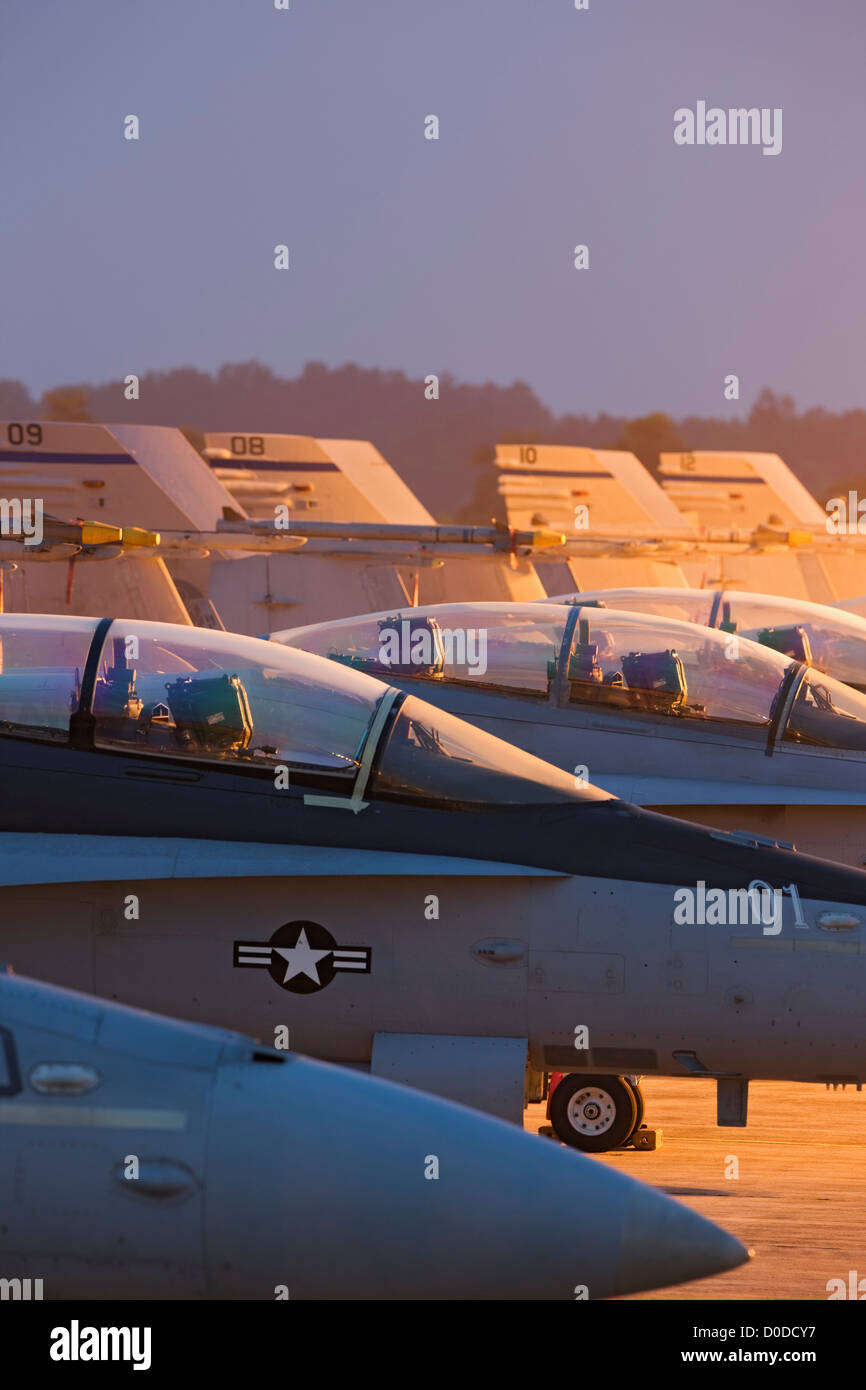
663, 1242
429, 1200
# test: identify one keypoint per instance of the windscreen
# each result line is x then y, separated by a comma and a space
432, 756
827, 714
41, 666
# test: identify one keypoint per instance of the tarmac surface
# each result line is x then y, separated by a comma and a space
799, 1200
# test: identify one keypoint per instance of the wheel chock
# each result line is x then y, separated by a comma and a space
644, 1138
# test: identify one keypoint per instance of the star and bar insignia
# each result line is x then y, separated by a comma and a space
302, 957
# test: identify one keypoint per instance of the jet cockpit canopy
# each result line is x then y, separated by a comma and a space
159, 690
580, 654
829, 639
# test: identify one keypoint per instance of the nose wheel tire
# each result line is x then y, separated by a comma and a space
639, 1100
594, 1113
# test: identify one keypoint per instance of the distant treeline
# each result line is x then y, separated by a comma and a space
443, 447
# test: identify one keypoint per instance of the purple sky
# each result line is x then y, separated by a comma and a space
307, 127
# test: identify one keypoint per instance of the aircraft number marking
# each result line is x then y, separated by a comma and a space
248, 444
21, 434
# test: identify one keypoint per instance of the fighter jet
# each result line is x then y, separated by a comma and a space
586, 492
324, 479
819, 634
234, 832
337, 503
145, 1158
753, 490
141, 524
702, 724
347, 483
712, 487
716, 520
143, 478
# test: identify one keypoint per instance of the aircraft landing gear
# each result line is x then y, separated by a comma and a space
596, 1113
634, 1082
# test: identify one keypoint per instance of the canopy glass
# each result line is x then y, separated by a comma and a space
485, 644
165, 691
579, 654
829, 639
41, 665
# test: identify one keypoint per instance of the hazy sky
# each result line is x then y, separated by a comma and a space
306, 127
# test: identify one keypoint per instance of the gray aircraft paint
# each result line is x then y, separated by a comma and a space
594, 944
263, 1175
715, 773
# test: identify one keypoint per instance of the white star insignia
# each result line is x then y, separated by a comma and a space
301, 959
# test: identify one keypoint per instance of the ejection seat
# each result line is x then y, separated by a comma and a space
651, 682
210, 713
416, 658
